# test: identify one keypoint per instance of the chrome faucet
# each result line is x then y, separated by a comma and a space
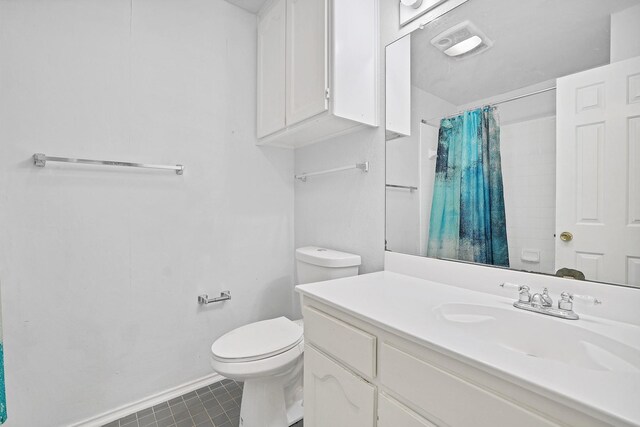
543, 304
542, 301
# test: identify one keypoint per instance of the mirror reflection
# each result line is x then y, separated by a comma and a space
513, 138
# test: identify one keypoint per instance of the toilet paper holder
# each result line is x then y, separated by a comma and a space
204, 298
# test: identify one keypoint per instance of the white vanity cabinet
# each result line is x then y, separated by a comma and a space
317, 74
360, 375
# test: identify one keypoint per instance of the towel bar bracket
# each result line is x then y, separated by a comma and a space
40, 160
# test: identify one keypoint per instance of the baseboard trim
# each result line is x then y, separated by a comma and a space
147, 402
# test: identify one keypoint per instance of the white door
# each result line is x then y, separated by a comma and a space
333, 396
271, 69
598, 172
306, 59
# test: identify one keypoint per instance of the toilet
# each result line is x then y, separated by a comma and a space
268, 355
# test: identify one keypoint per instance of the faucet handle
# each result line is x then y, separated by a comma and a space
514, 286
566, 300
525, 295
587, 299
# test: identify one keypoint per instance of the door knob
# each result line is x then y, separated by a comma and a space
565, 236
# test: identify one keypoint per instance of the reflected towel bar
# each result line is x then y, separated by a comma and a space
406, 187
364, 167
41, 160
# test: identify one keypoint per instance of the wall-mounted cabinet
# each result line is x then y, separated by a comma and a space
317, 70
398, 88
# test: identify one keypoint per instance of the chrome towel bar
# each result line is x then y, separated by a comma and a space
41, 160
364, 167
204, 298
406, 187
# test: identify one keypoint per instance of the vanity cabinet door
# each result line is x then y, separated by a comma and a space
271, 69
307, 52
333, 396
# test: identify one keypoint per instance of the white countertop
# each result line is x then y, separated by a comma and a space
408, 307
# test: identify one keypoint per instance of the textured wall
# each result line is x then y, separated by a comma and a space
100, 267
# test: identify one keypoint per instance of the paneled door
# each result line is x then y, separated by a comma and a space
598, 173
333, 396
271, 69
307, 59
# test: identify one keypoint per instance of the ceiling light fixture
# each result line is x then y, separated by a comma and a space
462, 41
464, 46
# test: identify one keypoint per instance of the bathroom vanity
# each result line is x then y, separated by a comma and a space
394, 349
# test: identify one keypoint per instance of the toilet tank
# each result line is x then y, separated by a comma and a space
316, 264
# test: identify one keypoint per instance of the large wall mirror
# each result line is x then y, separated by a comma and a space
513, 138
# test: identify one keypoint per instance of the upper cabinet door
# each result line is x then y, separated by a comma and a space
271, 69
398, 88
306, 59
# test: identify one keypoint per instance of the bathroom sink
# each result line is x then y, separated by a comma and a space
538, 336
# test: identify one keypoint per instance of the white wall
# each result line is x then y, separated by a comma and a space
344, 210
625, 34
101, 267
528, 153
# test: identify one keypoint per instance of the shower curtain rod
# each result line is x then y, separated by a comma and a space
493, 104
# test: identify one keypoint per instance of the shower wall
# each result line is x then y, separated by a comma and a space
100, 267
529, 172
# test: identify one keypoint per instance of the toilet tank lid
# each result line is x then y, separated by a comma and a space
327, 257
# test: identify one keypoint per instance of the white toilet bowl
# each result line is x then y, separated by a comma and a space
267, 356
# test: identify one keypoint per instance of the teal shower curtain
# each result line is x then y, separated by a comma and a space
467, 214
3, 400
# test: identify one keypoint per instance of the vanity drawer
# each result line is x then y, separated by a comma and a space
350, 345
392, 414
448, 398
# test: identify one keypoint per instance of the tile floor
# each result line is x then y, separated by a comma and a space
217, 405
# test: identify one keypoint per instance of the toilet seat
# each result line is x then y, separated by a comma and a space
257, 341
279, 364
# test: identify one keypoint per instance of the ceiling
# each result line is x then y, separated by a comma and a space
533, 41
252, 6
